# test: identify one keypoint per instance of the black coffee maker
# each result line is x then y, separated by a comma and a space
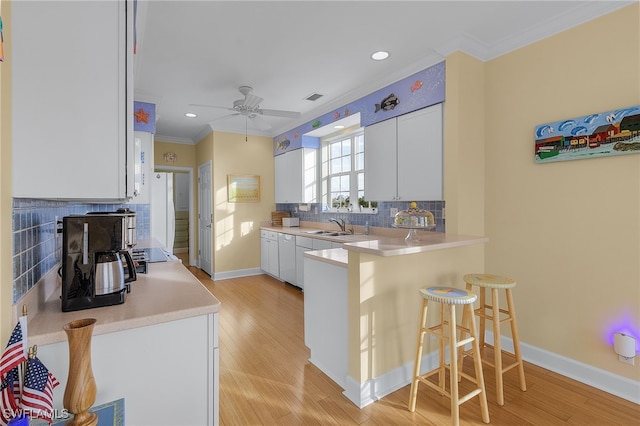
96, 264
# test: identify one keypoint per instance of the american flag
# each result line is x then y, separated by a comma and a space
16, 350
37, 393
9, 395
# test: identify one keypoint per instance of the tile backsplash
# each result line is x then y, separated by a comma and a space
37, 247
382, 218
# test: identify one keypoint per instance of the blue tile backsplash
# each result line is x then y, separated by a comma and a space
37, 248
381, 219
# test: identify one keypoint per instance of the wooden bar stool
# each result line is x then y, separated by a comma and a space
498, 317
446, 330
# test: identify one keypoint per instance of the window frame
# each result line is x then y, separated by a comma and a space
356, 175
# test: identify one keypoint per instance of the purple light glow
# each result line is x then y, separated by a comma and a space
625, 325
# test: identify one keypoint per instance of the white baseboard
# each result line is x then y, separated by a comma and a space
363, 394
237, 273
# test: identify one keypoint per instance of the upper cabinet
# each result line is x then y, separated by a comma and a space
403, 157
296, 176
72, 100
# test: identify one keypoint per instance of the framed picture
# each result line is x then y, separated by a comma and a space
601, 134
243, 188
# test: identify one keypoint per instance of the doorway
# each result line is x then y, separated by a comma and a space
184, 206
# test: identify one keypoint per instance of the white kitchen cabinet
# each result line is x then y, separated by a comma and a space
404, 157
269, 256
303, 244
72, 100
296, 176
126, 364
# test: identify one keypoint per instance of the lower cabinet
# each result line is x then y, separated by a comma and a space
269, 255
126, 363
303, 244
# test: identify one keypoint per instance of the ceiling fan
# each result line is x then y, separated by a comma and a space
249, 107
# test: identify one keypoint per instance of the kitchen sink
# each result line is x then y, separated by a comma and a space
328, 233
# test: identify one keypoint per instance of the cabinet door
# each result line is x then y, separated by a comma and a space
420, 155
288, 177
71, 111
295, 176
274, 259
264, 254
380, 161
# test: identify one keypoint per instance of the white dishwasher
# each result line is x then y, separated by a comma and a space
287, 254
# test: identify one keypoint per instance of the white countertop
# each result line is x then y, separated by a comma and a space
168, 292
392, 243
429, 241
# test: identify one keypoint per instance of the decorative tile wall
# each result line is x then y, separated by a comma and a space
381, 219
37, 247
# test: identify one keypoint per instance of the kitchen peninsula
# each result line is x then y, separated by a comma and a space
165, 333
362, 302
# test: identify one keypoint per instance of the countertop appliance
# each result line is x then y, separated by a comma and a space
97, 266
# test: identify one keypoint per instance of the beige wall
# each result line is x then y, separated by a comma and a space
236, 236
569, 232
6, 269
186, 154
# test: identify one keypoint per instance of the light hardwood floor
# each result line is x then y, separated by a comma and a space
266, 378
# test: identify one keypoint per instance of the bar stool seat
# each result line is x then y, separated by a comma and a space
446, 330
497, 316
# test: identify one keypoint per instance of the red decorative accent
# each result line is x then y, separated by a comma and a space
141, 116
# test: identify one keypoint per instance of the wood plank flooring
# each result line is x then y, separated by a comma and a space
266, 378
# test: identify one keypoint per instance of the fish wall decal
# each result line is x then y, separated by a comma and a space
388, 103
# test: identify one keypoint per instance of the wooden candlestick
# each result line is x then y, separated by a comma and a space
80, 392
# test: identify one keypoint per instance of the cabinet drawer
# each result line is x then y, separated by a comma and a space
270, 235
304, 242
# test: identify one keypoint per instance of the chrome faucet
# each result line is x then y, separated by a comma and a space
339, 222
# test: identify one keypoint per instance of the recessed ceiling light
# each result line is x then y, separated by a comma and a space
191, 114
338, 127
379, 56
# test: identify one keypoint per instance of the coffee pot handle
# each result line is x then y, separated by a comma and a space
130, 266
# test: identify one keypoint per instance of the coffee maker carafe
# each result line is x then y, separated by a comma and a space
94, 247
109, 274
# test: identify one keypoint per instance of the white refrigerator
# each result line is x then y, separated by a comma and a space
162, 209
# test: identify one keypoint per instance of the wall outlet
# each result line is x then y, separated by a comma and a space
627, 359
393, 211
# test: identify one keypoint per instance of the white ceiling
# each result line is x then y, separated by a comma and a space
200, 52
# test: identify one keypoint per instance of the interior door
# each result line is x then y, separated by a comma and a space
205, 218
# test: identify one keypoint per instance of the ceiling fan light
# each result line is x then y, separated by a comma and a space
380, 55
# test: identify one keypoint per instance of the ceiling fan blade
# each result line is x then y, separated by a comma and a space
279, 113
224, 116
212, 106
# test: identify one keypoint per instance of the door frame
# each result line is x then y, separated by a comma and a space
192, 209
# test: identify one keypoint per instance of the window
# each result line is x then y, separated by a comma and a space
343, 169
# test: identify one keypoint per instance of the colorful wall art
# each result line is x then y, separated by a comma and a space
602, 134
